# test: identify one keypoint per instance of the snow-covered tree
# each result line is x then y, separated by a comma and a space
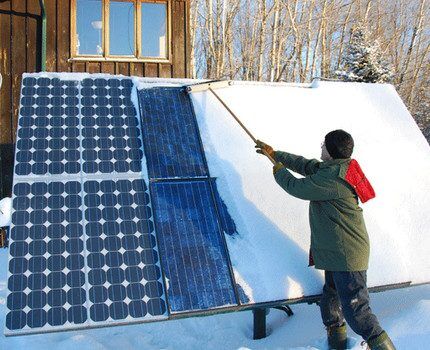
363, 61
422, 109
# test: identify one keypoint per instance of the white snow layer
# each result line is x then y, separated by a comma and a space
271, 253
5, 211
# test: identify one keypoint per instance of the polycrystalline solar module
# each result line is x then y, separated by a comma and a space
194, 256
55, 281
186, 212
171, 137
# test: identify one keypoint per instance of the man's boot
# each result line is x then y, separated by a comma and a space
336, 336
381, 342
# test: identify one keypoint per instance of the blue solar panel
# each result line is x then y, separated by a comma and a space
124, 279
194, 257
170, 134
110, 133
47, 281
48, 128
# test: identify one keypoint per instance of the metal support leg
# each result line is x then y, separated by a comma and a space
259, 323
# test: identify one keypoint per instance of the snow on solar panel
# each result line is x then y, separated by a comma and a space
83, 248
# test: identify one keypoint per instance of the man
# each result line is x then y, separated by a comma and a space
339, 240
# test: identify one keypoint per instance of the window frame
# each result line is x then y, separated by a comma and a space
137, 34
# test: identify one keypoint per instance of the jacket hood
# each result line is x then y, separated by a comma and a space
354, 175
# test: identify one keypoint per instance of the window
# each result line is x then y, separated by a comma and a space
120, 29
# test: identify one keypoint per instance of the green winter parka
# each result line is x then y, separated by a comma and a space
339, 239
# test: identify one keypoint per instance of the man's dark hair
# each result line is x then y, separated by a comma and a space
339, 144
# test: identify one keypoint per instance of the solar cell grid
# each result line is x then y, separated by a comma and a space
63, 121
111, 136
194, 257
46, 266
170, 135
124, 277
48, 134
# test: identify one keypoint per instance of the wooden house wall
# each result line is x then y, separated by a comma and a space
20, 47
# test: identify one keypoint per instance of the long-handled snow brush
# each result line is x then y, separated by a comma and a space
217, 84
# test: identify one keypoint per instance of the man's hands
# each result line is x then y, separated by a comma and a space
262, 147
278, 166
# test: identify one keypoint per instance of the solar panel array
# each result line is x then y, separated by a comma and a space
115, 218
83, 250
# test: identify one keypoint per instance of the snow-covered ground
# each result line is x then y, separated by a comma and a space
404, 313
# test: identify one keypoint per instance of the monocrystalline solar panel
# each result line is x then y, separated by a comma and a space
124, 279
83, 247
48, 128
110, 134
195, 260
46, 266
170, 134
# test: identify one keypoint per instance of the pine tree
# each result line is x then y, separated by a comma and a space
363, 61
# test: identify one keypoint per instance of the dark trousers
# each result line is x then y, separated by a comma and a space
345, 296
